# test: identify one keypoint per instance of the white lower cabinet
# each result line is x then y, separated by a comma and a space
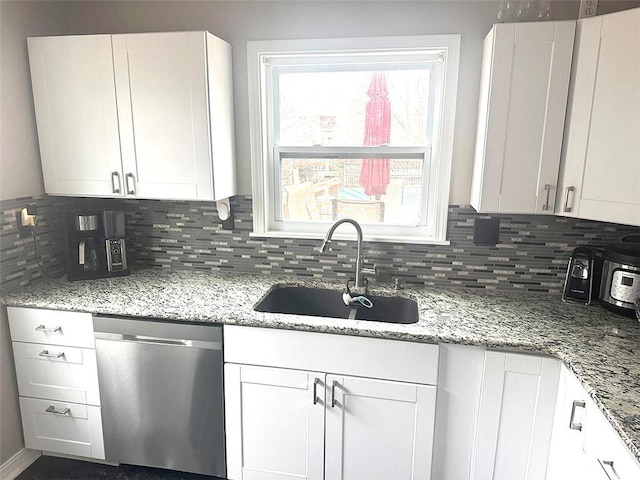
52, 371
584, 445
274, 423
57, 381
515, 417
298, 423
376, 429
62, 427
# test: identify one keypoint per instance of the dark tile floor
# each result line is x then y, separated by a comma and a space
54, 468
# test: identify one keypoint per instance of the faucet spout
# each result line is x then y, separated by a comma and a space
326, 244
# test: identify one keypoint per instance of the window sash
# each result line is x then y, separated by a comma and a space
272, 84
275, 187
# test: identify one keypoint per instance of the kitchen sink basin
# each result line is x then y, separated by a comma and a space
322, 302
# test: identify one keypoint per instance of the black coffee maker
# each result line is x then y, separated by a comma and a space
95, 244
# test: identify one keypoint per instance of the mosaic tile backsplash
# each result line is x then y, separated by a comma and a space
17, 261
531, 255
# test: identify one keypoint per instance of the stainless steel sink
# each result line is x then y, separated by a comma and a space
322, 302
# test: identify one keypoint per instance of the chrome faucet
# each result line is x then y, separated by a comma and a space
324, 248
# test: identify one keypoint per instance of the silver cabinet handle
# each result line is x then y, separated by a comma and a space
115, 182
547, 188
567, 191
52, 409
45, 353
42, 328
315, 390
333, 393
607, 466
573, 425
130, 180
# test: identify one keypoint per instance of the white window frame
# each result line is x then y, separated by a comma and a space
437, 176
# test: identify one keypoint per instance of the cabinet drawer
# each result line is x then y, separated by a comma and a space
356, 356
66, 374
53, 327
76, 432
605, 446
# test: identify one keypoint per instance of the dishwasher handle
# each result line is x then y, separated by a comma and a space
119, 337
152, 331
162, 341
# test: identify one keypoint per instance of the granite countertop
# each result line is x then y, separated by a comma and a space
601, 348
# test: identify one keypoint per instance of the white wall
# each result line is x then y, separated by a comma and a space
240, 21
11, 440
20, 172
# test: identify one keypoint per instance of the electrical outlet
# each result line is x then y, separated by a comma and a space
26, 220
588, 8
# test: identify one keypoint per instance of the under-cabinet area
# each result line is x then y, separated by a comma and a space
316, 404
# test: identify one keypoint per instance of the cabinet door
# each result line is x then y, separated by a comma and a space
161, 84
274, 423
567, 458
515, 417
524, 85
600, 162
75, 105
608, 454
378, 429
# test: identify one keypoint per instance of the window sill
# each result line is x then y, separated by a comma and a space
351, 236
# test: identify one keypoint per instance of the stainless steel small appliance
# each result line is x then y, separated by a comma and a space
95, 244
161, 394
620, 288
582, 281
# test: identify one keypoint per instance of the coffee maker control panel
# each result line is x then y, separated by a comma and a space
116, 255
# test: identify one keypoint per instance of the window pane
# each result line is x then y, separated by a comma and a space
336, 108
372, 191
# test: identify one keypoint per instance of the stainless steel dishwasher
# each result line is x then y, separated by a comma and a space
161, 393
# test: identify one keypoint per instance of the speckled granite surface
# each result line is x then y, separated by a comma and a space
601, 348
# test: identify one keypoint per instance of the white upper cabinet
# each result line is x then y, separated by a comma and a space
523, 95
601, 159
135, 115
75, 102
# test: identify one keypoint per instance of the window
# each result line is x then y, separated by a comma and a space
358, 128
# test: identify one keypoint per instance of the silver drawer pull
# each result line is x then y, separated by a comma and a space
115, 177
315, 390
574, 425
45, 353
609, 469
567, 192
333, 393
52, 409
547, 189
42, 328
130, 182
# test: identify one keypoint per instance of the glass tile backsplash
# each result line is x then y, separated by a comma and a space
531, 255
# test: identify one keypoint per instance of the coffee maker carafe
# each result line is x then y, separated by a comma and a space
95, 244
